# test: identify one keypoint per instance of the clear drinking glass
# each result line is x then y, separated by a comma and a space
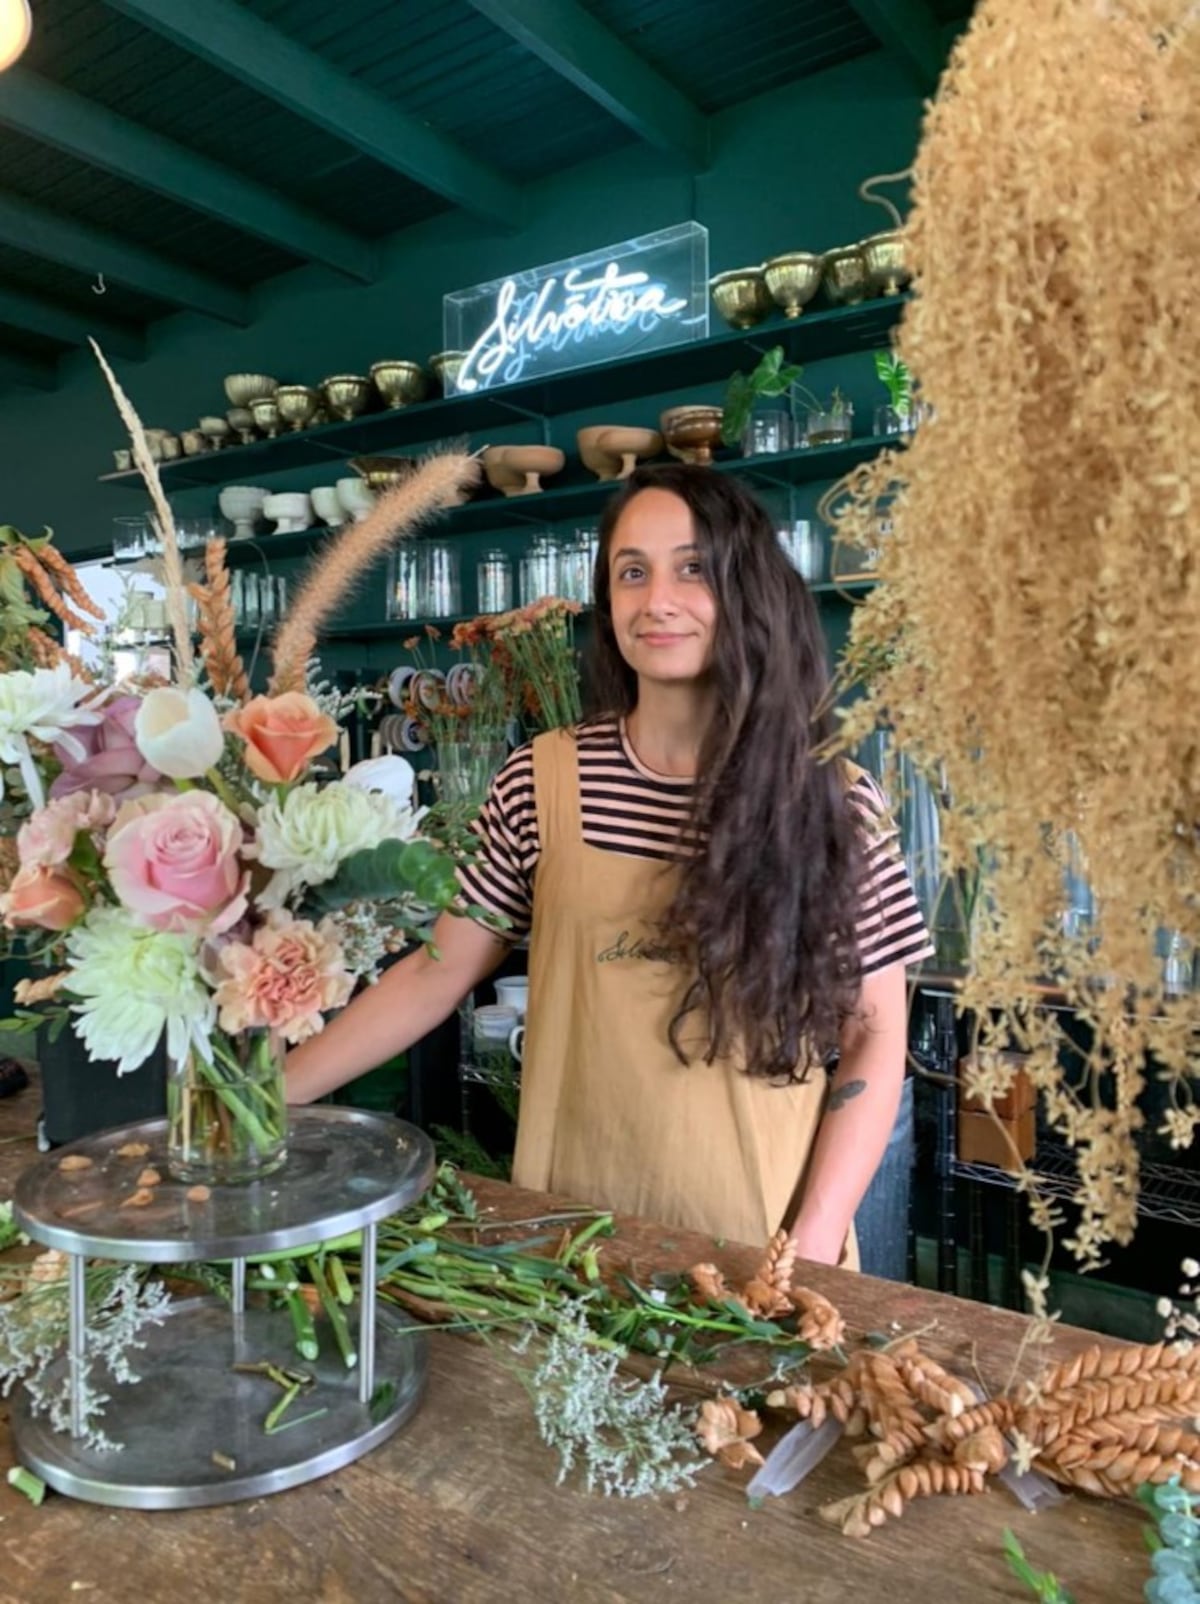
132, 538
805, 550
404, 581
767, 433
540, 570
440, 588
494, 582
575, 567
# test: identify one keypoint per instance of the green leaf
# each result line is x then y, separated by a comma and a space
388, 872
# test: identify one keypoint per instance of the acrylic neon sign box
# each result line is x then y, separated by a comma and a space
620, 300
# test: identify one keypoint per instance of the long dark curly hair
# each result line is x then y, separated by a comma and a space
765, 911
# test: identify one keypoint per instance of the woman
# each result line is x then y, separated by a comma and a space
713, 913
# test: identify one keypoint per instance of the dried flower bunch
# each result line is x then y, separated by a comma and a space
1033, 637
1109, 1421
770, 1295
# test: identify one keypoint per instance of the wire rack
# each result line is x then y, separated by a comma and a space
1167, 1192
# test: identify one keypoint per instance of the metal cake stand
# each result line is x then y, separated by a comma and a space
191, 1428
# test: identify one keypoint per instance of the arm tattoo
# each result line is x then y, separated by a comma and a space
844, 1094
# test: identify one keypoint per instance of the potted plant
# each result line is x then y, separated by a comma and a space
903, 412
827, 422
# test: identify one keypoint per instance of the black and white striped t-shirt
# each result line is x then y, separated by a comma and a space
628, 808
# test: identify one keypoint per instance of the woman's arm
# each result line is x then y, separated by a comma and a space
859, 1115
410, 999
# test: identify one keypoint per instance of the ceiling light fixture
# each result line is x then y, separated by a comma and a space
16, 25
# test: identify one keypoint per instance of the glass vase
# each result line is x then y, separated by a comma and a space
466, 769
227, 1114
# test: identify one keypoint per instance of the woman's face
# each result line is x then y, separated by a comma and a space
663, 613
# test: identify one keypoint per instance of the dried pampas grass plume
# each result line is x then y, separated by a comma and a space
1037, 631
438, 483
164, 520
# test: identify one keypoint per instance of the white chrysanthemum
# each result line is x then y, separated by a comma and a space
307, 835
135, 982
44, 703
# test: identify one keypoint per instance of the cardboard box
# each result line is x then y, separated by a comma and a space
1020, 1098
982, 1141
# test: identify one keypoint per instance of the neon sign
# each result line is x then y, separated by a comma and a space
623, 300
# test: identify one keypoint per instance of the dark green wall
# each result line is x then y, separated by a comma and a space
785, 178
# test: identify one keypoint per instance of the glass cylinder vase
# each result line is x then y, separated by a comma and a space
465, 769
227, 1114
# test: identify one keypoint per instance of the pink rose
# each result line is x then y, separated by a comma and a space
111, 760
173, 861
286, 978
44, 896
49, 836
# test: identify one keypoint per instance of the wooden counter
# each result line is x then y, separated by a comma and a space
462, 1507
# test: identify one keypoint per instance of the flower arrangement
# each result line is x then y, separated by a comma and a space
183, 860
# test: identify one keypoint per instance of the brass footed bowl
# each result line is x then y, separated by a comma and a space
692, 433
347, 394
245, 388
445, 366
297, 404
741, 296
381, 473
844, 275
885, 257
266, 416
793, 280
399, 383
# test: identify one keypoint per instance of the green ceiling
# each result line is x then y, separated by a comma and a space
190, 149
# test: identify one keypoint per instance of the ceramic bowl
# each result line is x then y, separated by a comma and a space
741, 296
793, 280
517, 470
611, 451
400, 383
381, 473
327, 505
347, 394
123, 458
243, 388
692, 433
290, 511
357, 498
170, 447
445, 366
193, 442
885, 257
242, 504
297, 404
844, 275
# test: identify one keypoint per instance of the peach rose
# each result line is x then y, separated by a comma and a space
173, 862
286, 978
42, 895
282, 734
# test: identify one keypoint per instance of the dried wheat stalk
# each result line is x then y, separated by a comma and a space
218, 637
345, 561
164, 522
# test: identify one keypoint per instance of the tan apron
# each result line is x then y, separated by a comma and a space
608, 1113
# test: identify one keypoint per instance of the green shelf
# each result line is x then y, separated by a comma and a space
838, 331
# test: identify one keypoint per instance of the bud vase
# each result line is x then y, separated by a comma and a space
465, 769
226, 1113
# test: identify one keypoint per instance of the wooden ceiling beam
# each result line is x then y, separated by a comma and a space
58, 322
90, 251
232, 38
592, 58
908, 30
93, 134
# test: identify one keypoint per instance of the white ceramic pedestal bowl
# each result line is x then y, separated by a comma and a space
291, 511
242, 505
327, 505
357, 498
518, 470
